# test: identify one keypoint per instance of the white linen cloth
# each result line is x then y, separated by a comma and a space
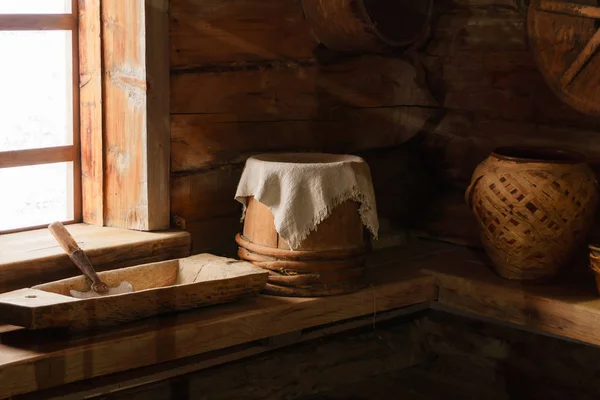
302, 189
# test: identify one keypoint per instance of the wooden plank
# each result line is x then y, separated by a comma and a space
46, 155
213, 32
172, 337
38, 22
90, 109
136, 79
34, 257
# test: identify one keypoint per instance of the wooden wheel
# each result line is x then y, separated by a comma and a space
564, 38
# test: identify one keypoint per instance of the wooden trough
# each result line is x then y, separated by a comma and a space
159, 288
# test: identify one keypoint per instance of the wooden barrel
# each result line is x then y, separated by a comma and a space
329, 261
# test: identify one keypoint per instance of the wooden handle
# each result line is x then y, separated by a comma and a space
64, 238
77, 255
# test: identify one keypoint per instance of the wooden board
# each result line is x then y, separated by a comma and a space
25, 359
34, 257
158, 288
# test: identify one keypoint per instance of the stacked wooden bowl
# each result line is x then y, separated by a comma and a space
330, 261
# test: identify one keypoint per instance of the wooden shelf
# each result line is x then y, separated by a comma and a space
568, 307
31, 361
450, 277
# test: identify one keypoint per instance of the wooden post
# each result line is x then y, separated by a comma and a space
90, 97
136, 135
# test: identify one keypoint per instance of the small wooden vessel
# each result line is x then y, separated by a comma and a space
159, 288
330, 261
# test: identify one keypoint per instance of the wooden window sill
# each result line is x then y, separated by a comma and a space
33, 257
405, 280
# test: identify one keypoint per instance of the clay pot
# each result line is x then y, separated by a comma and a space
534, 207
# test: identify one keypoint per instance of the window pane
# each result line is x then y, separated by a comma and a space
36, 89
36, 195
35, 6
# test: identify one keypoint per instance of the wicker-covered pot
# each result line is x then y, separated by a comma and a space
534, 207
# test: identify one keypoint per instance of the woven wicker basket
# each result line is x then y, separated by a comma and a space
534, 207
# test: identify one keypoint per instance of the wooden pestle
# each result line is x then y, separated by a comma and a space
77, 255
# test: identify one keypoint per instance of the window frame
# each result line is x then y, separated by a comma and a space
55, 154
123, 157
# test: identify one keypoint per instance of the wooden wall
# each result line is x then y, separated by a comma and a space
491, 93
247, 76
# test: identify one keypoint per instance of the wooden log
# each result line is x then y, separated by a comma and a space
292, 90
204, 141
208, 32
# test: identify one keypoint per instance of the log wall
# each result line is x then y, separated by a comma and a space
247, 76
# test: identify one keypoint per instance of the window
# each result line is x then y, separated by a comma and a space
84, 113
40, 178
